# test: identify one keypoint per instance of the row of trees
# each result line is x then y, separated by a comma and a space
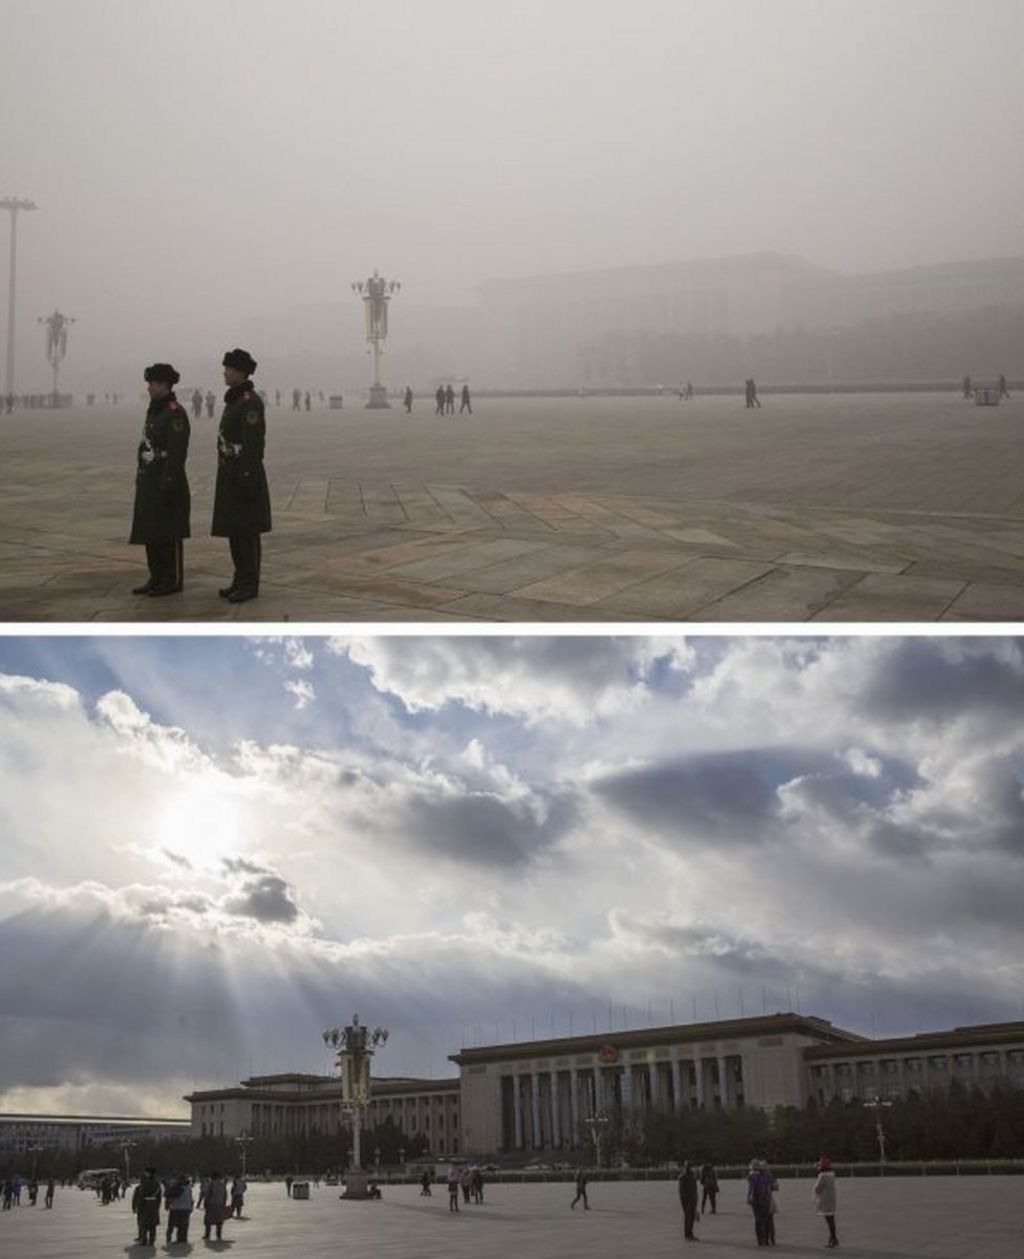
954, 1123
898, 349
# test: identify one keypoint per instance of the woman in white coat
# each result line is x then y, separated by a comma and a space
825, 1197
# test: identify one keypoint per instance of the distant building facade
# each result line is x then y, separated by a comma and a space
21, 1133
297, 1105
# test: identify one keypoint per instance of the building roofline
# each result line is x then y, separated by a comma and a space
955, 1038
72, 1119
723, 1029
330, 1090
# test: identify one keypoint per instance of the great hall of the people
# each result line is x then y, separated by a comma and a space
536, 1096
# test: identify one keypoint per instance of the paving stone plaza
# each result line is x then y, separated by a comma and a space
855, 508
934, 1217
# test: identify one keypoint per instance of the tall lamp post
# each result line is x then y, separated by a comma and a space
376, 292
243, 1141
126, 1146
354, 1046
56, 343
598, 1125
14, 205
877, 1105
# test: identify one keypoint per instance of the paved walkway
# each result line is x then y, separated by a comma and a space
852, 508
905, 1218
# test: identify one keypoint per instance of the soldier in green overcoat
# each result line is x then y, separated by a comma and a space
241, 508
160, 520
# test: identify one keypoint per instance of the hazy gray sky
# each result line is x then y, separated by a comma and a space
199, 161
211, 848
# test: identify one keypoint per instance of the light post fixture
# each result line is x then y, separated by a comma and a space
13, 205
56, 343
354, 1046
126, 1146
243, 1140
34, 1151
598, 1125
376, 292
877, 1105
401, 1157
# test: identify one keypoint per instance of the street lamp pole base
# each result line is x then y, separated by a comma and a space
356, 1186
378, 399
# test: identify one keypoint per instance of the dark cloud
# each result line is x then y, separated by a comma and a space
177, 858
486, 829
926, 679
729, 797
239, 865
265, 898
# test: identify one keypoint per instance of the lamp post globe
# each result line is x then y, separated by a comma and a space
376, 292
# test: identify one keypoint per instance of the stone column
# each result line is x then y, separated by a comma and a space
677, 1086
723, 1082
517, 1109
499, 1126
556, 1119
627, 1087
698, 1067
652, 1073
538, 1139
574, 1107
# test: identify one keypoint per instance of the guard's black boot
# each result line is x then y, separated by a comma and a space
145, 588
242, 594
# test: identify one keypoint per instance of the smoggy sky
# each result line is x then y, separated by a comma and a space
202, 161
211, 848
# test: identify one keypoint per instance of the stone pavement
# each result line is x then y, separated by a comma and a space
941, 1217
854, 508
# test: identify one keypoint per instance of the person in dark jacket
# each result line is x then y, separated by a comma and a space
688, 1199
241, 508
160, 520
146, 1205
709, 1183
581, 1190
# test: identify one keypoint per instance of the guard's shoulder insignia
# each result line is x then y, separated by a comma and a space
253, 417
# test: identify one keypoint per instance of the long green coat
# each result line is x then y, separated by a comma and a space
162, 499
241, 504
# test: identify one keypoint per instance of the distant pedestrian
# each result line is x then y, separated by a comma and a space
288, 1185
478, 1186
825, 1197
238, 1189
178, 1200
215, 1205
464, 404
773, 1206
759, 1199
146, 1205
308, 400
48, 1200
1003, 391
466, 1184
689, 390
752, 399
197, 403
277, 397
439, 396
968, 387
449, 400
453, 1189
581, 1190
687, 1183
211, 402
296, 399
8, 1193
425, 1185
407, 400
709, 1184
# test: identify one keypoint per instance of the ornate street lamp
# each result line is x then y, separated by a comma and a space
126, 1146
354, 1046
56, 343
598, 1125
376, 292
243, 1140
13, 205
877, 1105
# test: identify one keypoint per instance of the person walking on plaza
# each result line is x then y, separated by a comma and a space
709, 1184
464, 403
688, 1199
453, 1189
773, 1205
178, 1200
238, 1188
968, 387
211, 402
1003, 391
759, 1199
825, 1197
478, 1186
288, 1185
439, 396
308, 400
146, 1205
214, 1201
241, 507
425, 1185
197, 403
161, 516
48, 1200
449, 400
296, 399
581, 1190
407, 400
752, 399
